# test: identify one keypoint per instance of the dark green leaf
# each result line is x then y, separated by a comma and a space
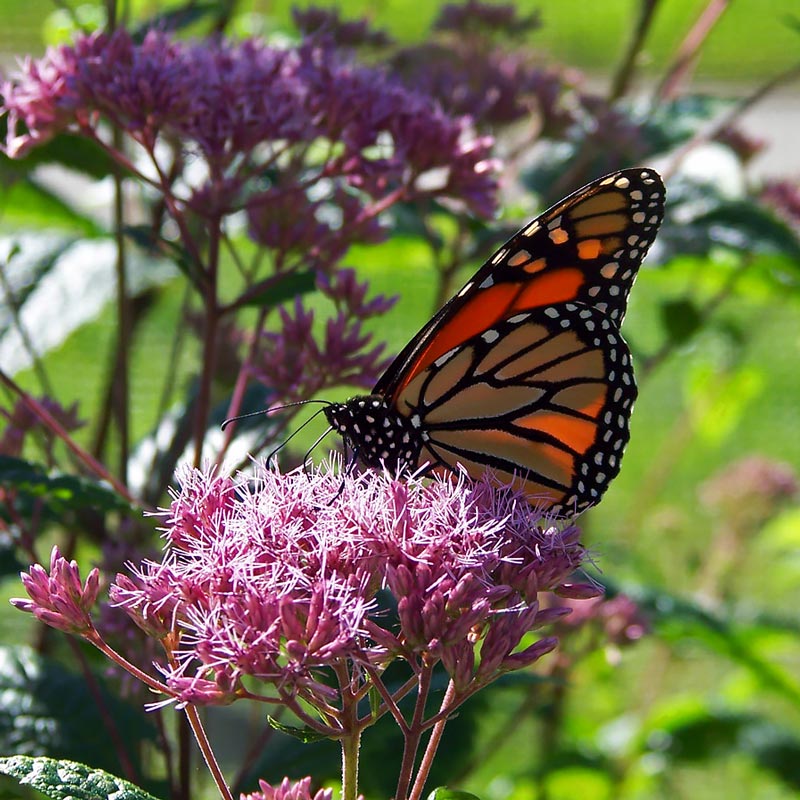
305, 735
681, 318
776, 750
27, 204
177, 19
443, 793
702, 736
275, 291
74, 152
60, 492
748, 226
69, 780
156, 245
49, 711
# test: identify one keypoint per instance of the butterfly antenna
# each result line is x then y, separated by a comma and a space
277, 408
289, 438
310, 449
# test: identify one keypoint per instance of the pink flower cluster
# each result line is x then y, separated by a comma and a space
288, 790
59, 599
278, 578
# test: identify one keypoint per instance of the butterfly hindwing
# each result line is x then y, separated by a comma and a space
542, 398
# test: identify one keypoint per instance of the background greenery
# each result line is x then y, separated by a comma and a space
708, 705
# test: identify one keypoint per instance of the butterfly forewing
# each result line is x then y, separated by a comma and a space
586, 248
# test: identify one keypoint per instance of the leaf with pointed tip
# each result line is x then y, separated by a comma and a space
443, 793
177, 19
278, 289
305, 735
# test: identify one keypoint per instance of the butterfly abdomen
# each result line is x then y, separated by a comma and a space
377, 434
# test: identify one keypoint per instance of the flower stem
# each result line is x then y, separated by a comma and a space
211, 303
350, 748
91, 463
351, 740
414, 734
433, 744
208, 754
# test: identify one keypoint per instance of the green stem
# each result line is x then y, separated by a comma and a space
351, 738
121, 387
350, 749
627, 67
212, 313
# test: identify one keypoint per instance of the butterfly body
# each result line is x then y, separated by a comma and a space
524, 372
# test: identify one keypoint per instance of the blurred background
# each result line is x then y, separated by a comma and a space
686, 681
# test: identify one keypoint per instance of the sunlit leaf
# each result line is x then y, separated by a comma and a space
50, 711
305, 735
443, 793
178, 19
69, 780
59, 492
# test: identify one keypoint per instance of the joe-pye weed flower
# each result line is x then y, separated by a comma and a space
268, 591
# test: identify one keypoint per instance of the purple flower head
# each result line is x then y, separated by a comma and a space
288, 790
275, 577
620, 618
298, 361
744, 145
251, 112
21, 421
326, 22
474, 16
59, 599
784, 197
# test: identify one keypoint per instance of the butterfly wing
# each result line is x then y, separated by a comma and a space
587, 248
524, 371
541, 398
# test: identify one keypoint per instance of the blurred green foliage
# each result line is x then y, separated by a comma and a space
707, 703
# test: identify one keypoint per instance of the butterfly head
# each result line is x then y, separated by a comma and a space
376, 432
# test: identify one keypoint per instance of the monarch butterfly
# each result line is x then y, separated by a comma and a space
524, 372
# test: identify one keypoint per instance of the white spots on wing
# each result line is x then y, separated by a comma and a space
534, 227
445, 357
610, 269
500, 255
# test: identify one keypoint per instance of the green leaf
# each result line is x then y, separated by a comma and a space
61, 492
177, 19
681, 318
272, 292
69, 780
443, 793
156, 245
25, 203
73, 152
49, 711
305, 735
747, 225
